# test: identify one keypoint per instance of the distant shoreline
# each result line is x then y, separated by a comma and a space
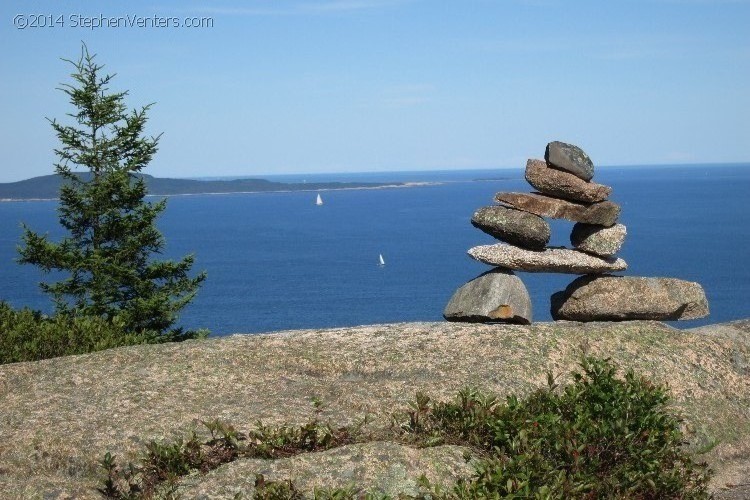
218, 193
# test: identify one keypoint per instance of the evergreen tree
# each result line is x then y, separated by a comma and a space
106, 255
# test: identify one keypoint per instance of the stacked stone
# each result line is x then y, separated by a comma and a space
565, 190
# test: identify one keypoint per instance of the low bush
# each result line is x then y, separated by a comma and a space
27, 335
286, 490
157, 473
601, 436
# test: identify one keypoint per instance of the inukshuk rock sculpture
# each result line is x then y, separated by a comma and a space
564, 191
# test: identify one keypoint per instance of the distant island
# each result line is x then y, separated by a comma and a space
48, 186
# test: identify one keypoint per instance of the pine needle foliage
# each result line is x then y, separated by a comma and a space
106, 255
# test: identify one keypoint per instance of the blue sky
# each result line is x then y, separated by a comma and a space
375, 85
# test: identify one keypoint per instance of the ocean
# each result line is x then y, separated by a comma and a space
276, 261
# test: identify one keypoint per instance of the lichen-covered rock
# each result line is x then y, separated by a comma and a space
497, 296
599, 240
603, 213
379, 467
569, 158
60, 416
554, 182
738, 332
550, 260
616, 298
513, 226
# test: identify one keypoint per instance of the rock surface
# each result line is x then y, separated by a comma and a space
603, 213
554, 182
551, 260
739, 333
495, 296
730, 477
514, 226
381, 466
614, 298
599, 240
60, 416
569, 158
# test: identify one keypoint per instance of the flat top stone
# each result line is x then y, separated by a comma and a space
569, 158
550, 260
563, 184
603, 213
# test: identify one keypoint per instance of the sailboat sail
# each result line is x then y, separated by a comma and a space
319, 200
381, 261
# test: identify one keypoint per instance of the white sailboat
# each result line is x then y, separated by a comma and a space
319, 200
381, 261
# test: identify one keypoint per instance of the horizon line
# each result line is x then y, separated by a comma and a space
404, 171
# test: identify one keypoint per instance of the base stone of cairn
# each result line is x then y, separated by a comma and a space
563, 180
495, 296
617, 298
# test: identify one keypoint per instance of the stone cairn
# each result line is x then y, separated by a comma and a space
564, 191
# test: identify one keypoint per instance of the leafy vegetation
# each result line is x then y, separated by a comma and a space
599, 437
107, 254
164, 464
27, 335
286, 490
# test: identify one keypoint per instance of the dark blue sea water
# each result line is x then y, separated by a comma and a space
276, 261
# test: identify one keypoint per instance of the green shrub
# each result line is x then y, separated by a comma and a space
159, 470
276, 490
600, 437
286, 490
27, 335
